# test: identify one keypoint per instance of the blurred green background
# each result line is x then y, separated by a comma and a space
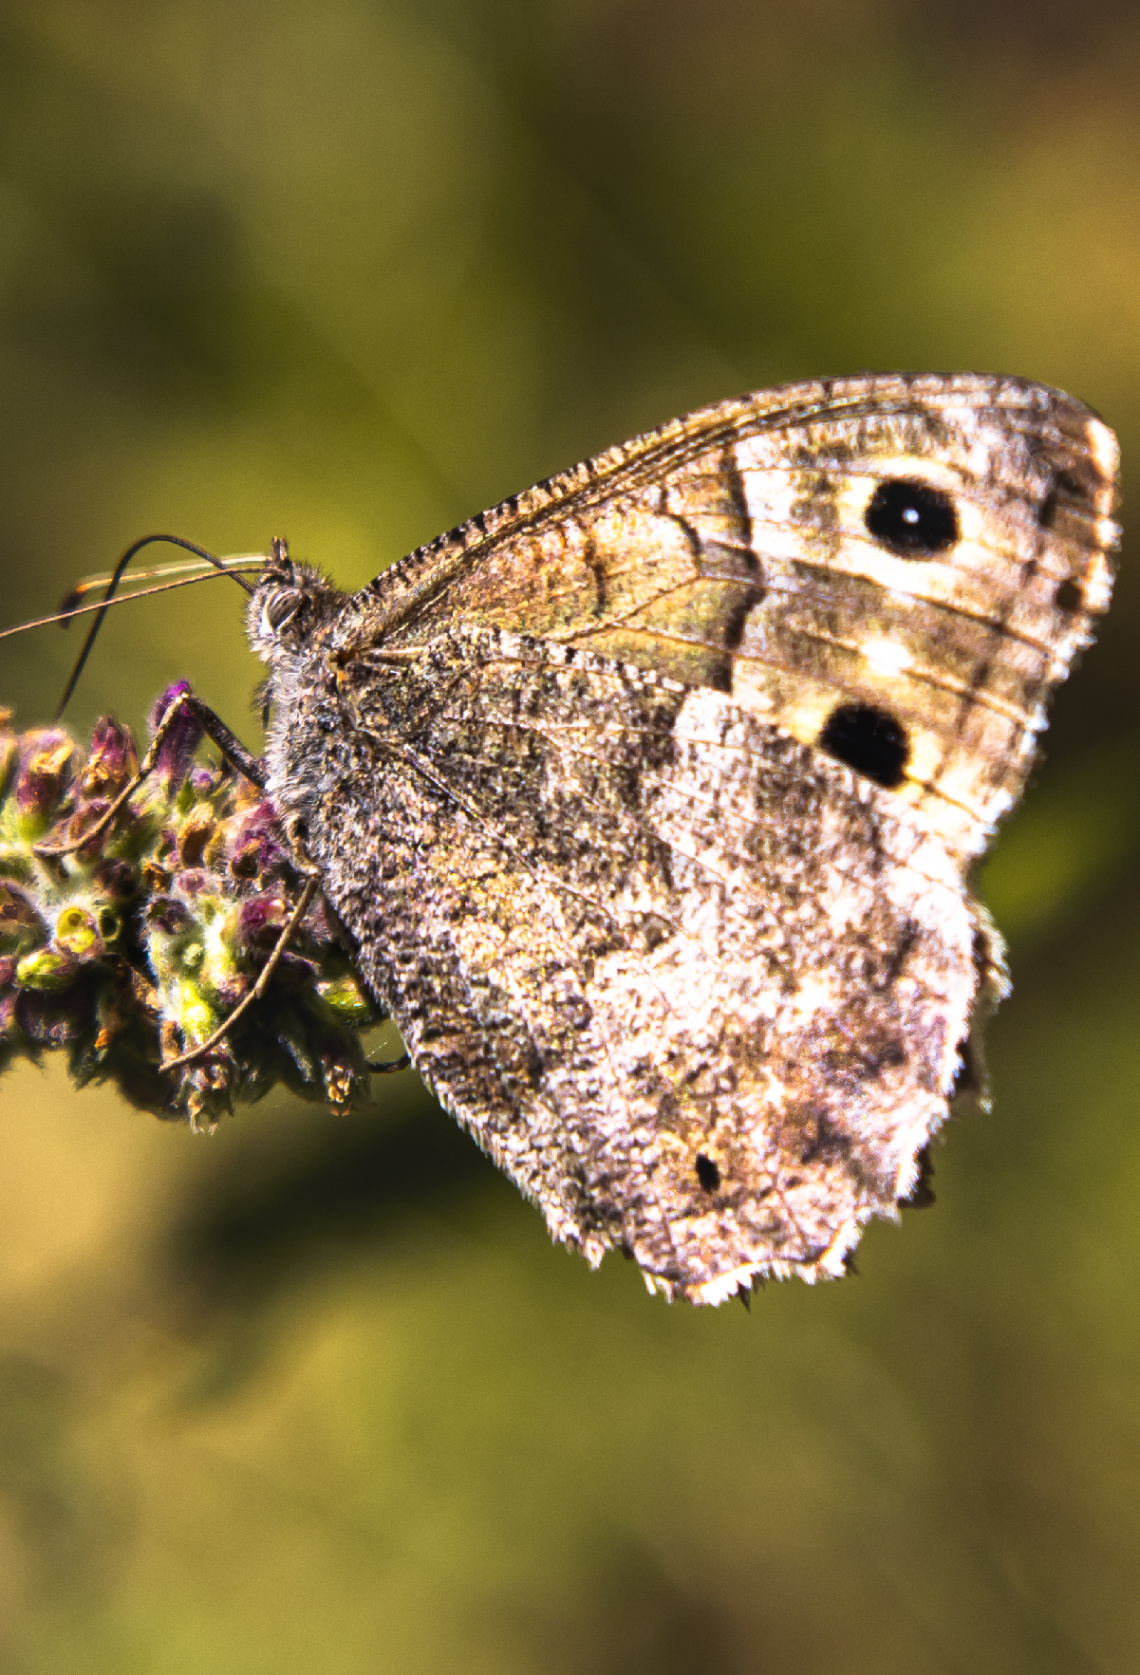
319, 1395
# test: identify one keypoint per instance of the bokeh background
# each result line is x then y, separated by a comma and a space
318, 1395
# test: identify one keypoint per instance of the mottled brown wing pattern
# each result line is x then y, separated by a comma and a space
647, 798
691, 983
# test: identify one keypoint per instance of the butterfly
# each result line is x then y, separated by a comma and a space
648, 798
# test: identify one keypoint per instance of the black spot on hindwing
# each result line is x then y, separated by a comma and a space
707, 1172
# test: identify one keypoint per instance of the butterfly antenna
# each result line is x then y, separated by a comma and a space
70, 610
112, 586
193, 568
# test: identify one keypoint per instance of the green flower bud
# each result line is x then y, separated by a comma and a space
20, 924
77, 933
47, 968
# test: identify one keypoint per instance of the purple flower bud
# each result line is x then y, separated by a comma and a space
225, 992
21, 925
115, 880
260, 921
113, 761
47, 763
168, 915
9, 1025
203, 782
194, 882
84, 818
257, 846
52, 1020
181, 741
195, 833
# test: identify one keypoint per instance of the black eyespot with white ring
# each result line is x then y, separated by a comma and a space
912, 518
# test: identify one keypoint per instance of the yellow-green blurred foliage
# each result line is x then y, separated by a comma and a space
317, 1395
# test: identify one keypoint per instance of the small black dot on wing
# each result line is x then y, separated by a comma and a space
707, 1172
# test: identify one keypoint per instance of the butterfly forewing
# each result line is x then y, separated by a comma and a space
739, 549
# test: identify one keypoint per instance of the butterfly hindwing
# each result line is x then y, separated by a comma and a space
689, 982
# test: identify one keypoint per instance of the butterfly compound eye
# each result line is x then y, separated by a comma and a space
913, 519
281, 607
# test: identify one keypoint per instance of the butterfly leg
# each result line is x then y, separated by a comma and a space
304, 902
212, 725
387, 1067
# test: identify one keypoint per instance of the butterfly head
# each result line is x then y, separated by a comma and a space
288, 606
